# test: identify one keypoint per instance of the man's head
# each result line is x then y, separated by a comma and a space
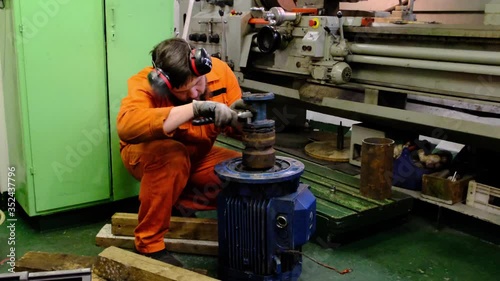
179, 70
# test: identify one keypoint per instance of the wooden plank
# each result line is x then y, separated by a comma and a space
116, 264
106, 239
123, 224
43, 261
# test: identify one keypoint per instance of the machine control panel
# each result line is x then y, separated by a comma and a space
313, 44
296, 41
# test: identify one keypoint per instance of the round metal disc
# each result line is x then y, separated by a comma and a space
327, 150
284, 169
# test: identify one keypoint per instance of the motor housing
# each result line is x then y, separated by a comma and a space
265, 214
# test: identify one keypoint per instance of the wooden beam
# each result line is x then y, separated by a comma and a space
123, 224
42, 261
105, 238
121, 265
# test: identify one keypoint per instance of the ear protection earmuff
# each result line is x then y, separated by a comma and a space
159, 81
200, 64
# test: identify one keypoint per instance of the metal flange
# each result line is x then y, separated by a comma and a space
284, 169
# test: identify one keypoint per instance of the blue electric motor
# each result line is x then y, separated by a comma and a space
264, 213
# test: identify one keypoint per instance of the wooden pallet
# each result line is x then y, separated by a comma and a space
341, 209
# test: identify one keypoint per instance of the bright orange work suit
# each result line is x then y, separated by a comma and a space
175, 169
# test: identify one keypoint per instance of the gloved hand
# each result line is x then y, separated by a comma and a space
240, 105
222, 114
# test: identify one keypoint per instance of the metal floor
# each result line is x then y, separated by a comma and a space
416, 249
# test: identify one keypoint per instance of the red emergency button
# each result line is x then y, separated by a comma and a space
314, 23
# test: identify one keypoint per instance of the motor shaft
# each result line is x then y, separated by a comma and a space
259, 135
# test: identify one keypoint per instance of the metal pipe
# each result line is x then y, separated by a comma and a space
426, 64
465, 56
411, 6
377, 165
188, 20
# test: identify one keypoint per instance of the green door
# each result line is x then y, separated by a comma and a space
133, 28
62, 58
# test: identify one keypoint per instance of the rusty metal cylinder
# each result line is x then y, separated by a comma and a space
376, 168
258, 159
259, 152
259, 134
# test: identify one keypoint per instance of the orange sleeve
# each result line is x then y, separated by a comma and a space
232, 86
139, 120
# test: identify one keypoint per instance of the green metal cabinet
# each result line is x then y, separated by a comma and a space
66, 67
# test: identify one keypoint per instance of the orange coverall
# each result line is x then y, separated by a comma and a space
175, 169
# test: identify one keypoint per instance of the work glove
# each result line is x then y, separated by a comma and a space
220, 112
240, 105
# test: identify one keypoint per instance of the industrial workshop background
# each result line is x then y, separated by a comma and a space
60, 151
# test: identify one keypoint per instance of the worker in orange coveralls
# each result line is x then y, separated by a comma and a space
172, 158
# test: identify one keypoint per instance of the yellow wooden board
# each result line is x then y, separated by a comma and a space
327, 150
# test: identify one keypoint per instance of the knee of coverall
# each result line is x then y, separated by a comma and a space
169, 152
152, 155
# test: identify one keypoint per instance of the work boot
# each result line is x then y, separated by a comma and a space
163, 256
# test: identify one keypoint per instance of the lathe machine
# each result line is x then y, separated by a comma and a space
439, 80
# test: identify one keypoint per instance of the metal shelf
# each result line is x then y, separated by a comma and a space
457, 207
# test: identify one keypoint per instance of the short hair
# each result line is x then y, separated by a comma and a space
172, 56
